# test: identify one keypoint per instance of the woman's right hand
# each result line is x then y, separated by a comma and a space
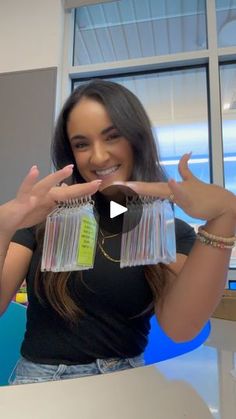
36, 199
196, 198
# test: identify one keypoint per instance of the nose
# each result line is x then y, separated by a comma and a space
99, 156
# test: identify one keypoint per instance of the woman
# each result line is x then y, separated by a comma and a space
98, 321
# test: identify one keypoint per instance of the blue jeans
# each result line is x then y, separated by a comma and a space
27, 372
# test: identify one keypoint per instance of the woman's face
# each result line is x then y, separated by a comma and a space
99, 150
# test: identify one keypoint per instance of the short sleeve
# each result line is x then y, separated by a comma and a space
185, 237
25, 237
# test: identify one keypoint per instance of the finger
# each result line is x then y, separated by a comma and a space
28, 182
181, 197
176, 190
183, 168
155, 189
75, 191
53, 179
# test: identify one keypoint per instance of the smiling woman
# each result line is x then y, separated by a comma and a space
99, 320
100, 151
105, 116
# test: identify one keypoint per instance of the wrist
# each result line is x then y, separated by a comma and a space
223, 225
210, 239
231, 208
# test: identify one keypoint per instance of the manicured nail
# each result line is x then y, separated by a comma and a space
97, 181
119, 182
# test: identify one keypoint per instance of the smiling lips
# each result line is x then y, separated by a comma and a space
107, 172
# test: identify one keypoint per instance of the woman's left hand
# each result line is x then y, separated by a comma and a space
196, 198
199, 199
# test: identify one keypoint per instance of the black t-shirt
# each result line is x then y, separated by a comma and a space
112, 299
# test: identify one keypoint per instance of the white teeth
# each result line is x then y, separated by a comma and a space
106, 171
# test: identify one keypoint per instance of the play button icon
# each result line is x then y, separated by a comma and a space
116, 209
116, 215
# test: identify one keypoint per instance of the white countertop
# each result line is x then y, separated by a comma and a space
197, 385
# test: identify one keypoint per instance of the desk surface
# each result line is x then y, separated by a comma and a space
197, 385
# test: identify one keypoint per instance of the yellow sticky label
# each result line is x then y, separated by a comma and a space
86, 244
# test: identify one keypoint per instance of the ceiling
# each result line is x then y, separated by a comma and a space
127, 29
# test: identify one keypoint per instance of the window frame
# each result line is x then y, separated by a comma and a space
212, 57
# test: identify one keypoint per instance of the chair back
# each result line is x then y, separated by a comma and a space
160, 347
12, 329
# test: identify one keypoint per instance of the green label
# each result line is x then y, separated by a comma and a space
86, 244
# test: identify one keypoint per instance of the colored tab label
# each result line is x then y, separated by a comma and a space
87, 241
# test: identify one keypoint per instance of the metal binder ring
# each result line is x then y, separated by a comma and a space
171, 197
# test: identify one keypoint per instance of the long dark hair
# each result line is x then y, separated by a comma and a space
129, 117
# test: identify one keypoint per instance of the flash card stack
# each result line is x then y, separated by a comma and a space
70, 237
153, 239
71, 231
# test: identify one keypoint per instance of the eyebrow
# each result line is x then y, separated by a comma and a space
103, 132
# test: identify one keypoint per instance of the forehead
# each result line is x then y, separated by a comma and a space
88, 114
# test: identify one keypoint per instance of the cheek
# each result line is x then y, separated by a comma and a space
80, 160
129, 157
126, 152
82, 167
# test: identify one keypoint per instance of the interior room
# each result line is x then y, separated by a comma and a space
178, 57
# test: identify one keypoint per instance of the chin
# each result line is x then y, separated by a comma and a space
109, 181
106, 183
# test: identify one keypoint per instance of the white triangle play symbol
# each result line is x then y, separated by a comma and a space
116, 209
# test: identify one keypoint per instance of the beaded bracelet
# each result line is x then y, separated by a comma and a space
215, 241
225, 240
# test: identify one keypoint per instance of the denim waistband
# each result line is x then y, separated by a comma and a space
31, 372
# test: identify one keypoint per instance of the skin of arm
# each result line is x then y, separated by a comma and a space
195, 283
195, 288
199, 281
34, 200
16, 266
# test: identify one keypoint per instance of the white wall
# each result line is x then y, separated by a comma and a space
30, 34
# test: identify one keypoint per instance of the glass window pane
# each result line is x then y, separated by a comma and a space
176, 102
228, 101
127, 29
226, 22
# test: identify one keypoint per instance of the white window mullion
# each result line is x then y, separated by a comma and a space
69, 4
67, 58
140, 64
227, 53
214, 96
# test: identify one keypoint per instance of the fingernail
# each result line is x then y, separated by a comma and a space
34, 167
70, 166
97, 181
117, 182
189, 154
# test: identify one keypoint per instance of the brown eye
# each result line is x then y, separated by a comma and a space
113, 136
80, 145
